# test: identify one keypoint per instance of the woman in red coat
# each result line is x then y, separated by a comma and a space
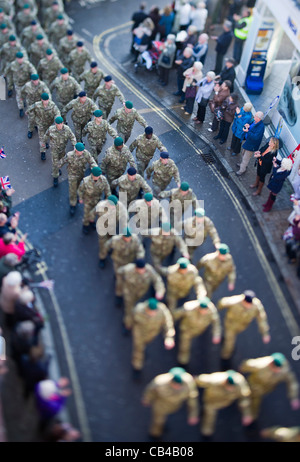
8, 245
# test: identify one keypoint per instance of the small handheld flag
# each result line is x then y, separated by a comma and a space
5, 183
2, 153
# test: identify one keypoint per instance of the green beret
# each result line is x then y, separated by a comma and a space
49, 51
60, 16
79, 147
204, 302
3, 26
223, 249
59, 120
1, 10
166, 227
19, 54
278, 359
230, 377
184, 186
26, 6
39, 37
113, 199
98, 113
148, 197
129, 104
64, 70
177, 373
118, 141
183, 262
199, 213
127, 232
12, 38
44, 96
152, 303
96, 171
34, 77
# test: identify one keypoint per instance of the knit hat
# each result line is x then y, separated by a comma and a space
19, 54
164, 155
249, 295
64, 70
118, 141
79, 147
177, 373
166, 227
82, 94
34, 77
278, 359
140, 263
131, 171
184, 186
204, 302
96, 171
148, 197
127, 232
129, 104
152, 303
113, 199
199, 213
223, 249
44, 96
107, 78
183, 262
93, 64
148, 130
98, 113
59, 120
49, 51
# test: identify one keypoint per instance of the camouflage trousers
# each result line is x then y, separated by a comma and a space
142, 164
172, 298
125, 135
105, 109
256, 400
184, 347
101, 243
9, 81
157, 188
208, 421
96, 148
31, 123
130, 300
76, 72
157, 262
90, 91
73, 187
211, 286
228, 344
57, 155
158, 421
41, 132
61, 104
78, 128
19, 99
89, 205
139, 345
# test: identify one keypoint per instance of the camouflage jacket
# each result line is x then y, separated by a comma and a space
44, 116
28, 35
91, 189
78, 59
162, 245
50, 15
48, 69
185, 200
76, 164
124, 252
65, 89
145, 148
200, 231
163, 174
64, 48
114, 162
110, 218
91, 80
181, 283
161, 321
59, 138
216, 270
97, 132
23, 20
125, 121
107, 97
8, 54
32, 93
21, 72
57, 31
36, 51
81, 112
193, 321
149, 217
131, 188
137, 285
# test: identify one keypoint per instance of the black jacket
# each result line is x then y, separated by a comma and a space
223, 42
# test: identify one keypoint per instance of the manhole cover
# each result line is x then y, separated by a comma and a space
208, 157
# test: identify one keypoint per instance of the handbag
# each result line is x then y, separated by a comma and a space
166, 59
218, 114
191, 91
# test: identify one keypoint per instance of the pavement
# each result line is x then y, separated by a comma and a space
18, 418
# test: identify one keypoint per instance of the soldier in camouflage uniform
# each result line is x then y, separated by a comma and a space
197, 228
222, 389
181, 278
59, 134
91, 78
150, 318
49, 66
28, 35
136, 279
163, 170
217, 266
96, 131
112, 215
148, 213
21, 70
37, 49
5, 19
115, 161
164, 240
106, 94
194, 318
65, 87
130, 184
145, 146
8, 55
240, 312
8, 7
125, 248
24, 17
66, 45
82, 110
90, 192
166, 394
126, 116
43, 114
57, 30
78, 58
76, 161
265, 374
281, 434
50, 14
31, 92
5, 33
181, 199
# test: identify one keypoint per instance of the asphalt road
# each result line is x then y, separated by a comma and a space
85, 323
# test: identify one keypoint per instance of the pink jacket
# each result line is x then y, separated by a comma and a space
18, 249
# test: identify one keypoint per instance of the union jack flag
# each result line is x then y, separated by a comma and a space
5, 183
2, 153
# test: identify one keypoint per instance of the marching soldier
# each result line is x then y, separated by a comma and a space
217, 266
115, 161
150, 318
166, 394
195, 317
59, 134
181, 199
24, 17
5, 19
31, 93
106, 94
148, 212
5, 33
130, 184
50, 14
125, 248
126, 116
240, 312
90, 192
181, 278
8, 55
82, 110
66, 88
91, 78
21, 70
265, 374
136, 279
49, 66
221, 389
163, 170
42, 114
28, 35
197, 228
37, 49
78, 58
164, 240
282, 434
66, 45
112, 215
76, 161
96, 131
57, 30
145, 146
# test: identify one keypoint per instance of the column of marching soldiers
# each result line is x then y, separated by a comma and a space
41, 58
